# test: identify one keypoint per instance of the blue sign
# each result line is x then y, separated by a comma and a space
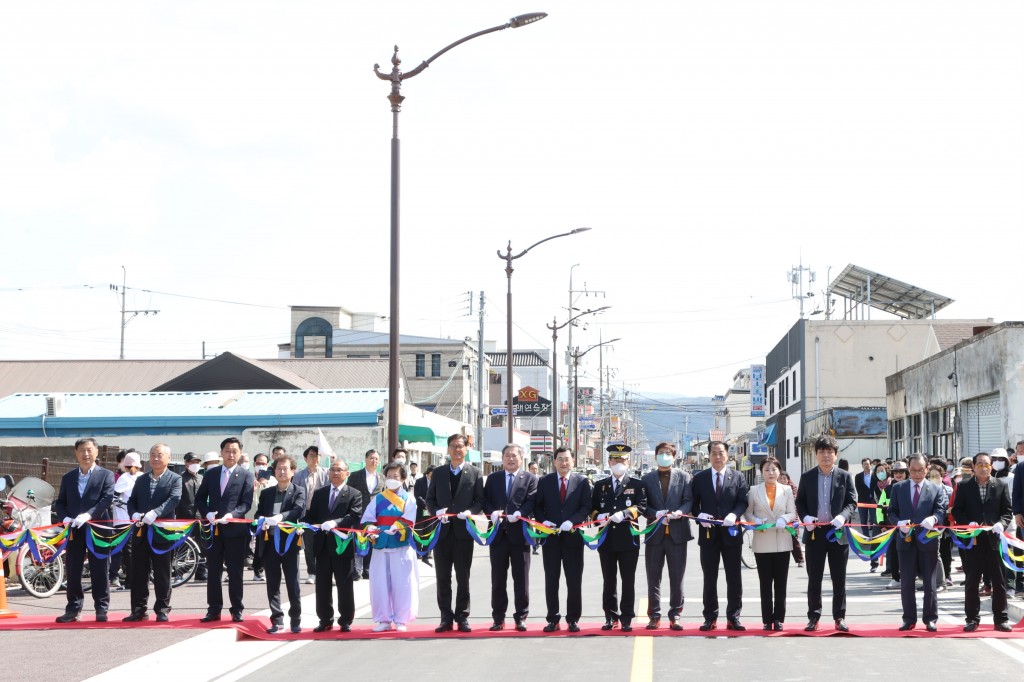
757, 390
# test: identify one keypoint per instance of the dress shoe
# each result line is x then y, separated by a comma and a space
574, 627
520, 625
135, 617
971, 627
275, 628
445, 626
552, 627
496, 627
609, 623
767, 627
296, 628
463, 626
210, 618
345, 627
323, 627
734, 624
931, 626
68, 618
162, 618
812, 625
708, 625
841, 625
366, 575
627, 626
654, 623
1004, 627
777, 626
356, 577
907, 626
236, 618
102, 617
674, 624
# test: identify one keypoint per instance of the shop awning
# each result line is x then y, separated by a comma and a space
421, 434
769, 436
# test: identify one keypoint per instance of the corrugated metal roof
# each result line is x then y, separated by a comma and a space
519, 359
338, 372
63, 376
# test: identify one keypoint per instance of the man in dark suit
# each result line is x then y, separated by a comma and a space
284, 502
669, 494
862, 481
984, 500
85, 493
720, 493
156, 495
226, 494
455, 488
335, 506
826, 495
563, 501
369, 482
419, 490
510, 493
618, 501
917, 502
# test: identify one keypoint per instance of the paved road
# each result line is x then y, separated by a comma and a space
146, 653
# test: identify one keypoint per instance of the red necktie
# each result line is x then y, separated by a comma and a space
561, 492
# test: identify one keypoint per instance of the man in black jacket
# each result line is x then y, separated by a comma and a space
420, 492
285, 502
369, 482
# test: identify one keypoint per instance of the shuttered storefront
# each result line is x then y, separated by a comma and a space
983, 425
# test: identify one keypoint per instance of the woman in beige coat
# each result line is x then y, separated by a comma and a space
772, 502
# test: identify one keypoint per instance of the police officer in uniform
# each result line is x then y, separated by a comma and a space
618, 501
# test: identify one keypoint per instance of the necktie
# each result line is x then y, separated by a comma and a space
917, 494
508, 483
562, 492
334, 496
225, 475
615, 486
718, 485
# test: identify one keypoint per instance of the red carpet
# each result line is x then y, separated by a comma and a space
255, 628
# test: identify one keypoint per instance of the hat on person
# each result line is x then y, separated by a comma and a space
131, 460
211, 457
900, 465
619, 450
191, 457
999, 452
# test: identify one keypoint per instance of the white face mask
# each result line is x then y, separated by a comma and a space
618, 470
665, 460
244, 465
400, 460
998, 465
393, 484
194, 468
261, 467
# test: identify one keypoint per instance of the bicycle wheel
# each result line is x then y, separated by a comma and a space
184, 562
747, 555
41, 580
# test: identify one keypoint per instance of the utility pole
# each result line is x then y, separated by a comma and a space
796, 280
481, 409
124, 320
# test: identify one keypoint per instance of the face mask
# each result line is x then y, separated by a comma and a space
393, 484
966, 475
261, 467
194, 468
998, 465
400, 461
882, 475
935, 479
665, 460
618, 470
244, 465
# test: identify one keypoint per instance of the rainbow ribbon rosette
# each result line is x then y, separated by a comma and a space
481, 538
172, 535
1010, 557
868, 548
536, 533
101, 538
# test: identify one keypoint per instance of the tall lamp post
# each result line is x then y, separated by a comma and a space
554, 327
508, 258
576, 391
396, 77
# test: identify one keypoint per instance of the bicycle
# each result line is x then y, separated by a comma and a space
27, 505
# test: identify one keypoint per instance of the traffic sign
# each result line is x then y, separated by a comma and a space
498, 411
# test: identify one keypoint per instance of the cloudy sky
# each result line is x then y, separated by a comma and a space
234, 158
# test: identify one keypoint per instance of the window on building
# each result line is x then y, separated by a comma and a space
771, 401
915, 427
421, 365
940, 433
793, 380
897, 445
435, 364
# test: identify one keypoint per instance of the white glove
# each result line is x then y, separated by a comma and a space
903, 525
972, 524
928, 523
729, 520
463, 515
549, 524
269, 521
391, 531
515, 516
81, 519
136, 516
675, 514
781, 523
495, 516
566, 526
661, 512
328, 525
758, 521
212, 517
224, 519
441, 515
617, 517
838, 521
602, 517
67, 520
809, 520
997, 528
150, 517
702, 515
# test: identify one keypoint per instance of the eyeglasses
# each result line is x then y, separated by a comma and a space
982, 466
334, 470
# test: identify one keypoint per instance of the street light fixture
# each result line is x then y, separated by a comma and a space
396, 77
554, 327
576, 392
508, 258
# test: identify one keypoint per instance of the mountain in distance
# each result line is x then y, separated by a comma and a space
667, 416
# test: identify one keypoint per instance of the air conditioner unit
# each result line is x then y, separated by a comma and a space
54, 404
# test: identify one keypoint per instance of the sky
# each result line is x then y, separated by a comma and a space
233, 158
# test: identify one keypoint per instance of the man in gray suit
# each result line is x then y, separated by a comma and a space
670, 496
311, 479
917, 502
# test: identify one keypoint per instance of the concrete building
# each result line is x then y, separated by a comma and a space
961, 401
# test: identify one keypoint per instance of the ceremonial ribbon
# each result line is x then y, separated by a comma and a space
484, 539
175, 534
868, 548
593, 538
114, 545
426, 544
536, 533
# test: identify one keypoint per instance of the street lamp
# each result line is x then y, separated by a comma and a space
508, 258
396, 77
576, 391
554, 327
